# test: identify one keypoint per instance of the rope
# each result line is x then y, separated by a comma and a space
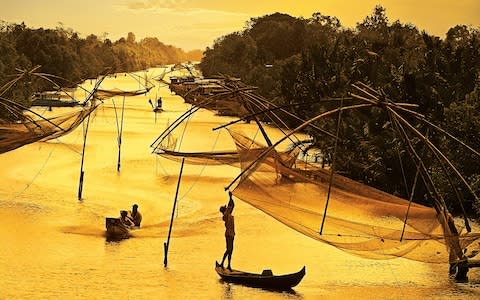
157, 163
38, 173
332, 167
391, 269
201, 171
184, 130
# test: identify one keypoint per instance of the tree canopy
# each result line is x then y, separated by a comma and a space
296, 60
63, 53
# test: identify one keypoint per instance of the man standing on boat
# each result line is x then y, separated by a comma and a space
229, 229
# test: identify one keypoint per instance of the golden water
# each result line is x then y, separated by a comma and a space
53, 246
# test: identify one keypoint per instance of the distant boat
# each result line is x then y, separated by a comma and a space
265, 280
55, 103
54, 99
158, 109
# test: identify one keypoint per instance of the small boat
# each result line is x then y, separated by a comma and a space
265, 280
158, 109
55, 103
116, 229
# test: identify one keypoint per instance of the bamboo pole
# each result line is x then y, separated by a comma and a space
174, 125
441, 158
120, 135
261, 106
399, 156
167, 243
261, 99
31, 111
262, 130
332, 168
82, 173
422, 118
439, 203
412, 193
265, 108
435, 150
258, 113
457, 194
300, 127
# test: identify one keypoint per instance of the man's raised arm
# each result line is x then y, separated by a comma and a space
231, 204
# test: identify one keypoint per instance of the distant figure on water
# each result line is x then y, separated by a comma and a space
135, 215
229, 229
125, 219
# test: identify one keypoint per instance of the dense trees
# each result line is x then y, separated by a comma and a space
296, 60
63, 53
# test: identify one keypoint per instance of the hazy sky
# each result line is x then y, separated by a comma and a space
191, 24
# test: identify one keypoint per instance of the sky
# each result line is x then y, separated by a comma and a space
195, 24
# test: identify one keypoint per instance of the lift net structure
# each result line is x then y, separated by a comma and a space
361, 220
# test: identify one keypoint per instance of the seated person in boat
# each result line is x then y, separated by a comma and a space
229, 229
135, 215
125, 219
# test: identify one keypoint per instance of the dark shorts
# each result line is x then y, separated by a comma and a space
229, 240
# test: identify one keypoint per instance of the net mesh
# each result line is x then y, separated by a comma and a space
358, 219
29, 130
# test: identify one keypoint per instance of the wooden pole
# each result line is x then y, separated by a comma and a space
436, 151
174, 125
412, 193
251, 111
305, 124
120, 135
82, 173
167, 243
339, 121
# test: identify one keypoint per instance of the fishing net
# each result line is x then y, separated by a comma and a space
33, 128
331, 208
247, 151
19, 125
105, 94
356, 218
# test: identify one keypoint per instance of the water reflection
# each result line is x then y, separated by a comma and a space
235, 291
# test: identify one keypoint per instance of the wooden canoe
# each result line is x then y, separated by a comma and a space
264, 280
116, 229
55, 103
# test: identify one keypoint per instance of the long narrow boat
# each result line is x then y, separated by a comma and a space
158, 109
264, 280
55, 103
116, 229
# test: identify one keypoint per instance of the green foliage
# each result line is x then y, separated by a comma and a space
296, 60
61, 52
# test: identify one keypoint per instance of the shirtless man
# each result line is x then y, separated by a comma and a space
229, 229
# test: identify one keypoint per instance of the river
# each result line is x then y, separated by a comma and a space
54, 246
